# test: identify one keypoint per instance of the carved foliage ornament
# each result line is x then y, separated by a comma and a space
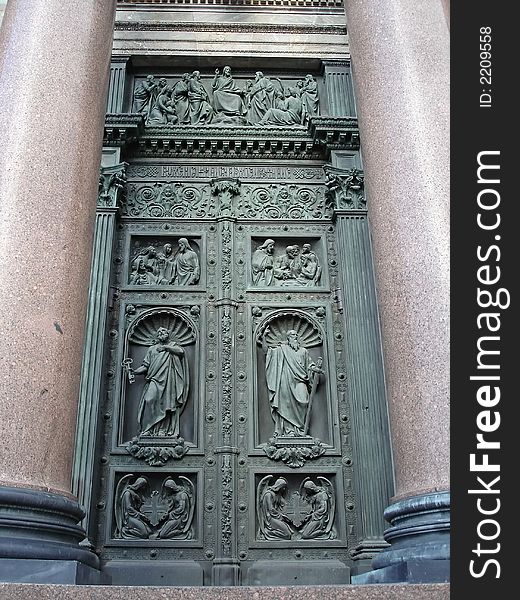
185, 201
112, 181
345, 189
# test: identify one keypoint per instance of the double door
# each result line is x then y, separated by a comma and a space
224, 449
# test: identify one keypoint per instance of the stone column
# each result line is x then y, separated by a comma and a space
400, 59
54, 59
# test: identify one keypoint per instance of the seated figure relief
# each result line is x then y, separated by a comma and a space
295, 267
151, 266
263, 101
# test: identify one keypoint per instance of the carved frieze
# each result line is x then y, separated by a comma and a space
260, 101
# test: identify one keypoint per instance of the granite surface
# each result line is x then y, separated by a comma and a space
351, 592
400, 57
54, 58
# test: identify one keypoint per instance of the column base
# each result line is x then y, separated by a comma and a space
419, 542
410, 571
66, 572
39, 533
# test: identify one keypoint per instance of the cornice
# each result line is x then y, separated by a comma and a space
221, 141
193, 26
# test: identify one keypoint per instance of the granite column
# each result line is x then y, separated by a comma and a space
400, 60
54, 67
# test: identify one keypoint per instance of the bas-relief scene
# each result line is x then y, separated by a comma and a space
290, 508
286, 263
172, 262
261, 101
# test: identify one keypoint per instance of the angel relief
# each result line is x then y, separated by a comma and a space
165, 516
166, 388
308, 514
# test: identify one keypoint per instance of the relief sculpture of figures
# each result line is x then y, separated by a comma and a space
274, 524
144, 269
293, 268
187, 266
309, 96
152, 267
260, 98
262, 264
227, 97
200, 108
131, 522
288, 111
166, 388
292, 379
318, 524
163, 110
180, 498
309, 514
166, 266
259, 102
143, 94
180, 99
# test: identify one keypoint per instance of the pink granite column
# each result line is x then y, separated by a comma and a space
400, 58
54, 66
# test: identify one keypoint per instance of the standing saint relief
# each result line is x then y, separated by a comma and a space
292, 378
165, 389
263, 101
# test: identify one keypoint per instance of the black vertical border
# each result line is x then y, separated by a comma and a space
475, 129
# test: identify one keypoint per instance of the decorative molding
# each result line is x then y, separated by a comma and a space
122, 128
112, 181
345, 189
195, 26
294, 452
194, 200
154, 452
223, 141
238, 3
